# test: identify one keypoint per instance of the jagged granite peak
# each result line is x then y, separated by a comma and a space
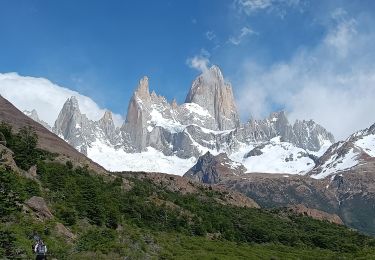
107, 125
143, 91
134, 129
153, 121
210, 91
73, 126
174, 104
311, 136
212, 169
304, 134
33, 114
70, 113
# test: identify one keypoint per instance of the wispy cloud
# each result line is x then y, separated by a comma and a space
332, 83
245, 31
250, 7
210, 35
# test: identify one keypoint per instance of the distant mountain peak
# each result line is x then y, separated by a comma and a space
211, 92
107, 115
142, 90
33, 114
215, 71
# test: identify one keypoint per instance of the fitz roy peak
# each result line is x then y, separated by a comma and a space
163, 136
211, 92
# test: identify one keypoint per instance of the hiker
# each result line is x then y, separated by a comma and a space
41, 250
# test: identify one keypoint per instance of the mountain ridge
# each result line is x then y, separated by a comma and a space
177, 132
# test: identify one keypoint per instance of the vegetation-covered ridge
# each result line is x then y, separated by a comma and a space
117, 216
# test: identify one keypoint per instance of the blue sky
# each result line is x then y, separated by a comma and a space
102, 48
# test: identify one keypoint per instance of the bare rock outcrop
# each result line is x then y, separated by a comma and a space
65, 232
212, 169
39, 206
6, 158
315, 213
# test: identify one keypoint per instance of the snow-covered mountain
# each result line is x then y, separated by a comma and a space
163, 136
357, 150
275, 156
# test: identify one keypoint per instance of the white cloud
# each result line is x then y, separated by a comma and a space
47, 98
250, 6
278, 6
210, 35
245, 31
199, 62
332, 83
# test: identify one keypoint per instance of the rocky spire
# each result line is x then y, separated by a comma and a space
142, 90
107, 125
174, 104
69, 118
72, 125
211, 92
310, 135
135, 125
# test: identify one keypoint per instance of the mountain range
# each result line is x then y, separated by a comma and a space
162, 136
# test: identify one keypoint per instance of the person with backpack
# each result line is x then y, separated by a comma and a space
40, 250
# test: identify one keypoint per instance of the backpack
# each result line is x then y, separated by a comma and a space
41, 249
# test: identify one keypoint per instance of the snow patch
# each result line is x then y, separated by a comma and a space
336, 164
197, 109
157, 119
367, 143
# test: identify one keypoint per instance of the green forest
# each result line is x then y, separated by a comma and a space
117, 216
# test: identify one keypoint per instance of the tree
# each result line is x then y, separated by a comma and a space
24, 148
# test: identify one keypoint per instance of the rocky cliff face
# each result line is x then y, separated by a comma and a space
73, 126
211, 92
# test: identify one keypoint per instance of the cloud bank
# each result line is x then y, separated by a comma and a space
332, 83
47, 98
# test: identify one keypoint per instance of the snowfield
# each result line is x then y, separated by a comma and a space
276, 157
149, 161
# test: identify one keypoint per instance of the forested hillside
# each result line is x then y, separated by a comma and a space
88, 216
